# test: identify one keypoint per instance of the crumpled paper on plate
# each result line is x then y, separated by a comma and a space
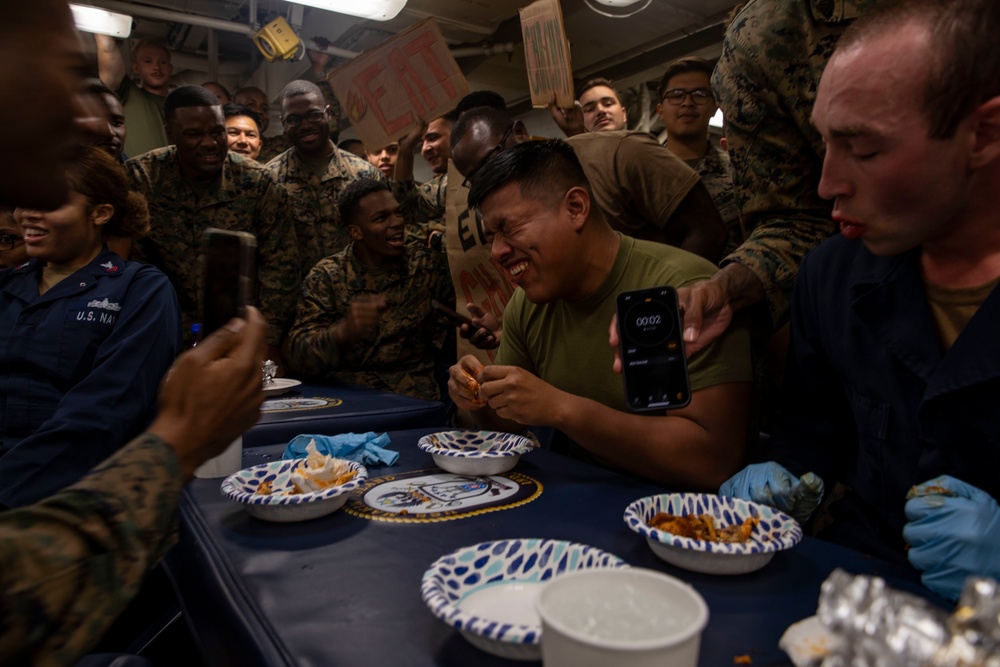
366, 448
862, 622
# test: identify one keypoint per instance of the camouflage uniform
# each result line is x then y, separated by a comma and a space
399, 355
424, 208
434, 194
766, 81
246, 199
717, 174
71, 563
274, 146
314, 200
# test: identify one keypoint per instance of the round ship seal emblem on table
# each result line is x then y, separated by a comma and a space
299, 403
426, 496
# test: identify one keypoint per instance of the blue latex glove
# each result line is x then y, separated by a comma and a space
953, 532
365, 448
772, 484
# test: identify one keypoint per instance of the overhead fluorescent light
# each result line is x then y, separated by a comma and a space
101, 21
377, 10
617, 9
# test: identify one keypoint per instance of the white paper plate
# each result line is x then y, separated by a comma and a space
281, 386
487, 590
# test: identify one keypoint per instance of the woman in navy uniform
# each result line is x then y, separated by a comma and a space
85, 336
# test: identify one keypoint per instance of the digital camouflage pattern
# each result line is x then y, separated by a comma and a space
274, 146
313, 200
766, 80
71, 563
716, 173
246, 199
399, 355
424, 209
434, 194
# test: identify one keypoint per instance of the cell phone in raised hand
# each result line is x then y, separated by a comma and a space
654, 370
229, 277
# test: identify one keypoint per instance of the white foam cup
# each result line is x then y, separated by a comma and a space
223, 465
626, 617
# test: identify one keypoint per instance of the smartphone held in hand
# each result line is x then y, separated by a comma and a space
229, 277
654, 370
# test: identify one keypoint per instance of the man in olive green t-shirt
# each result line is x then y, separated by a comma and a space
554, 366
143, 103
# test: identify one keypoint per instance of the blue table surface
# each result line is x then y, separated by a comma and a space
345, 591
351, 408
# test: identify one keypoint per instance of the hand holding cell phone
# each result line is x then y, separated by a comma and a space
229, 277
654, 371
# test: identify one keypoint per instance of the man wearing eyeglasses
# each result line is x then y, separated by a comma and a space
686, 105
314, 172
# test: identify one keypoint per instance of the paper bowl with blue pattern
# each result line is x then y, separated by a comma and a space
242, 487
475, 452
775, 532
487, 591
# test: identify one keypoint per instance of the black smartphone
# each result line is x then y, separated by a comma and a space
654, 370
453, 316
229, 277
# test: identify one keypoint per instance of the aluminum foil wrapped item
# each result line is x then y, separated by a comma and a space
881, 627
270, 369
862, 622
975, 626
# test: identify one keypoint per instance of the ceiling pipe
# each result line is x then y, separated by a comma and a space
663, 40
329, 48
213, 56
468, 27
173, 16
486, 50
242, 29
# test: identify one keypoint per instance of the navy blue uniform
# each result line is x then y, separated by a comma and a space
80, 367
874, 402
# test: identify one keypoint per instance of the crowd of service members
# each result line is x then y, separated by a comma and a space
883, 437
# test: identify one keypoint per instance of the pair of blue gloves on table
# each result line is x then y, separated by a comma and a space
953, 529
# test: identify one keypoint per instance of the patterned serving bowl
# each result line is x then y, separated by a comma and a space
775, 532
242, 487
475, 452
487, 590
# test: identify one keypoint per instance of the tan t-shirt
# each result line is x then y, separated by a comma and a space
636, 183
953, 307
566, 344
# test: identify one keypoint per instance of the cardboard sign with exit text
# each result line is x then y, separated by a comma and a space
387, 91
546, 53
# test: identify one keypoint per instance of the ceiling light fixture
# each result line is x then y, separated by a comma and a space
376, 10
101, 21
617, 9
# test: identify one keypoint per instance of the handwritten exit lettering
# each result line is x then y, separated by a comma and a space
546, 54
388, 90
